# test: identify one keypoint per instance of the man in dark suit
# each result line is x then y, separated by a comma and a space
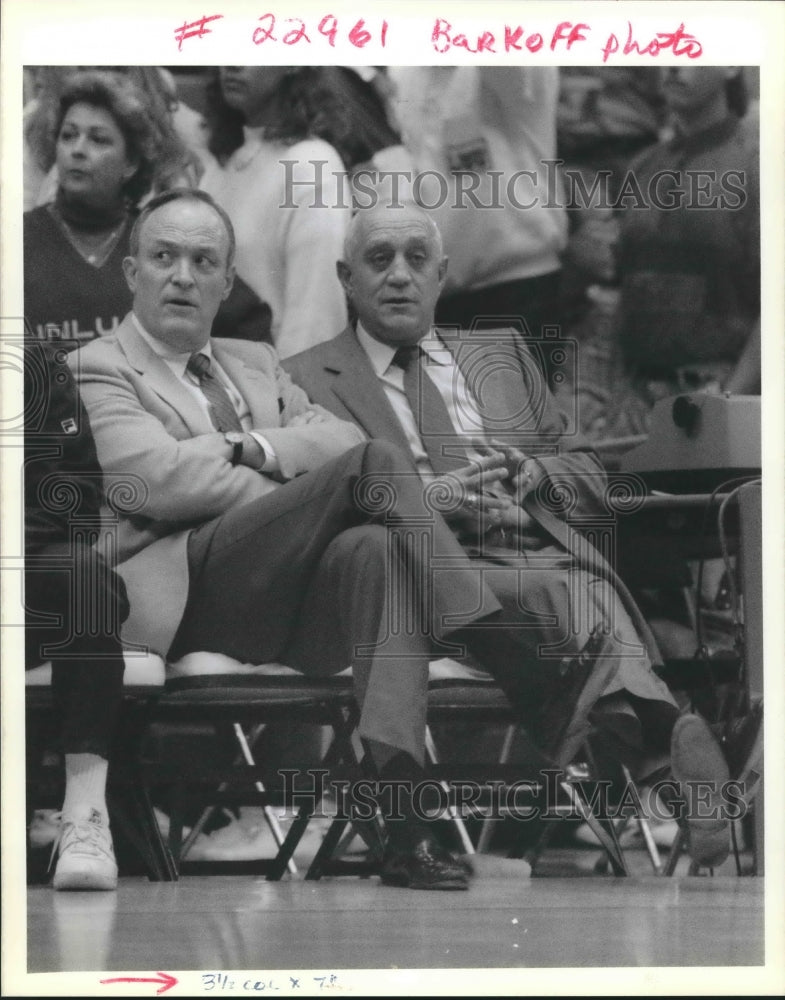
469, 405
263, 527
74, 604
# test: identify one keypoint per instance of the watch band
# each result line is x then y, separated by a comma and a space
235, 439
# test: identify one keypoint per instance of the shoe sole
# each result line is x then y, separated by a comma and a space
709, 838
83, 882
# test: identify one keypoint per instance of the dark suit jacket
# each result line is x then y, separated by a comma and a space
147, 428
515, 405
62, 477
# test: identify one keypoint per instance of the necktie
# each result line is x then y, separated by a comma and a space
433, 420
222, 412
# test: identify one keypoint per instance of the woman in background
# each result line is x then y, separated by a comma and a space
105, 151
108, 153
176, 162
285, 189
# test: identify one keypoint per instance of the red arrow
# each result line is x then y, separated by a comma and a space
167, 981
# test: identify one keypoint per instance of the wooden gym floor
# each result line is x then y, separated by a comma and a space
202, 930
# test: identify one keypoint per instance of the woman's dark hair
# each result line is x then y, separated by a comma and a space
124, 103
330, 103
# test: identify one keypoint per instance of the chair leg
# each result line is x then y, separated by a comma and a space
644, 826
486, 830
603, 830
271, 819
340, 750
455, 818
133, 810
269, 814
343, 829
143, 834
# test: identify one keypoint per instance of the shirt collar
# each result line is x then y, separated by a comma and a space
177, 359
380, 355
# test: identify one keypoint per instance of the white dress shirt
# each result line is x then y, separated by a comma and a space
448, 379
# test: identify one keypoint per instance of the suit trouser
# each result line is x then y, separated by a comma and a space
85, 603
550, 607
342, 566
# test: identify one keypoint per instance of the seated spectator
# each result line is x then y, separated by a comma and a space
74, 604
283, 188
475, 418
106, 149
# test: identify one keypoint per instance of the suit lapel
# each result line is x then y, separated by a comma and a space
502, 403
158, 377
251, 383
355, 384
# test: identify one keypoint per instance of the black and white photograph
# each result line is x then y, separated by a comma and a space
392, 516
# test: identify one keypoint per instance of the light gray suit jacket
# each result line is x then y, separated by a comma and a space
160, 477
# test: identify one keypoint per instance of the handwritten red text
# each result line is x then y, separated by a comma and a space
196, 29
515, 38
678, 42
293, 30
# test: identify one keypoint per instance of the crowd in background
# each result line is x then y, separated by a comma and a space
658, 298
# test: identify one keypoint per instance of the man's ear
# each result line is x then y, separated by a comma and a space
443, 270
344, 276
230, 275
129, 270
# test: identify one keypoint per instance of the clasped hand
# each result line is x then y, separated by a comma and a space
471, 497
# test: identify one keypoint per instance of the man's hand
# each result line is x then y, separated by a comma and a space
466, 497
521, 471
307, 417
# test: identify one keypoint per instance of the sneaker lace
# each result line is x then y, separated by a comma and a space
89, 837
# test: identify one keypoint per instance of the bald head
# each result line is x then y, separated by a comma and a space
366, 219
393, 272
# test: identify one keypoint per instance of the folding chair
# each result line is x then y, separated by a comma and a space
457, 694
455, 691
234, 703
130, 808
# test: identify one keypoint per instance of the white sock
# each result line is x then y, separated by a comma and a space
85, 785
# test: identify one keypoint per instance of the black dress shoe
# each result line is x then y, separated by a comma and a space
426, 866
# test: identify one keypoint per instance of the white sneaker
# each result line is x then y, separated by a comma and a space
44, 828
663, 831
237, 841
85, 854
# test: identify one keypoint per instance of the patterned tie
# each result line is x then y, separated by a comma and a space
222, 412
430, 411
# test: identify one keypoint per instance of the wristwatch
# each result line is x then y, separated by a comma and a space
235, 439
